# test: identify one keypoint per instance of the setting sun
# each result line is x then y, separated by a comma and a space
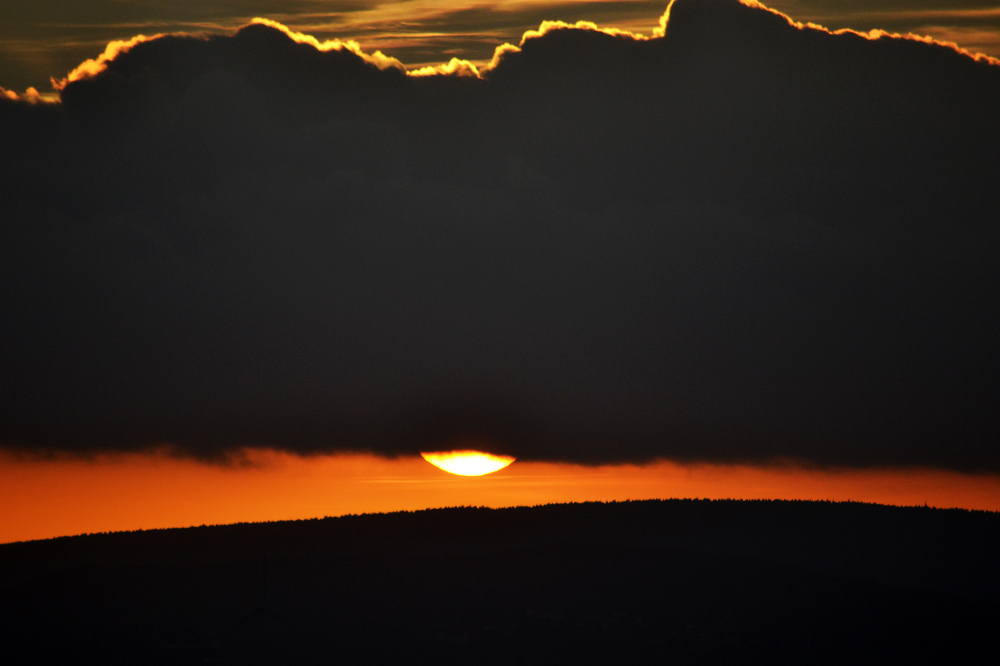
467, 463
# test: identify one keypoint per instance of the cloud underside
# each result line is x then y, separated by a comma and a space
742, 241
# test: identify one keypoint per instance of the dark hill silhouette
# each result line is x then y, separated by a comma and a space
677, 581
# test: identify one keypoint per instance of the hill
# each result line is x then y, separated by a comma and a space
686, 581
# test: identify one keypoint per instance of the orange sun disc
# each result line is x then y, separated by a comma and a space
467, 463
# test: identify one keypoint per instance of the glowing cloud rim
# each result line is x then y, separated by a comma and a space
465, 68
467, 462
91, 68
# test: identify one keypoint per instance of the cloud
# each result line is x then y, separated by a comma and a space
378, 59
973, 24
742, 241
94, 66
454, 67
876, 33
30, 96
35, 48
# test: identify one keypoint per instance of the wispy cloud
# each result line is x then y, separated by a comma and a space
420, 33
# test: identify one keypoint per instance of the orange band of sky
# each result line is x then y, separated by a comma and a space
48, 498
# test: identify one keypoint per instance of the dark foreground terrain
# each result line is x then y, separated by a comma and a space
677, 581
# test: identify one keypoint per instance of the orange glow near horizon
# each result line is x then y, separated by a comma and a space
467, 463
48, 498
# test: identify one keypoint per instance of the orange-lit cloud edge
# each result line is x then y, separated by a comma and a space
457, 66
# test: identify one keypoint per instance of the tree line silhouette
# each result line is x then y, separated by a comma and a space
632, 582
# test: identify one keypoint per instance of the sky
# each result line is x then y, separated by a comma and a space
41, 39
727, 241
50, 498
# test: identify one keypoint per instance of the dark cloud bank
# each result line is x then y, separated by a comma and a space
742, 241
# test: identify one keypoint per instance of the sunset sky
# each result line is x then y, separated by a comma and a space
255, 262
43, 499
40, 39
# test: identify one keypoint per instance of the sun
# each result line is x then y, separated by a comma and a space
467, 463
